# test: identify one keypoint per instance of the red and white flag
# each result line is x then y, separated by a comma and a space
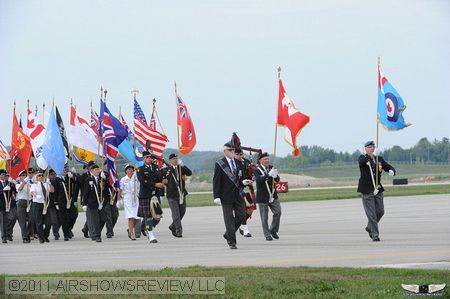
81, 133
184, 122
36, 132
144, 133
290, 118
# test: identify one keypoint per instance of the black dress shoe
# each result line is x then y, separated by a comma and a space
376, 239
98, 240
241, 231
232, 246
144, 232
47, 240
179, 235
66, 238
41, 241
275, 235
10, 239
26, 240
4, 241
248, 235
269, 238
109, 236
369, 232
70, 235
85, 233
172, 229
56, 238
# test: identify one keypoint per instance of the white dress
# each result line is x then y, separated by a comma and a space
130, 191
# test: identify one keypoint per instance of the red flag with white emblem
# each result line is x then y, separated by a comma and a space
290, 118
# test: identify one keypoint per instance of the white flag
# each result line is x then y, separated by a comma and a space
81, 134
36, 131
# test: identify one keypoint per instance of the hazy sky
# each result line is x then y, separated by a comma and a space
224, 55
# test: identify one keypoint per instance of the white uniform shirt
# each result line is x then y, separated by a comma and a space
39, 197
25, 193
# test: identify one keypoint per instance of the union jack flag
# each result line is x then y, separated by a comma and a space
113, 133
153, 122
95, 121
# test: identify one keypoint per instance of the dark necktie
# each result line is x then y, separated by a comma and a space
44, 192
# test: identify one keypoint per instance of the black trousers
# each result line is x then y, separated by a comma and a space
64, 217
22, 217
72, 216
233, 215
94, 225
11, 218
114, 214
51, 221
39, 219
105, 219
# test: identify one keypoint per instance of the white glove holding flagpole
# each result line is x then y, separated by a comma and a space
85, 208
70, 175
247, 182
180, 162
273, 172
102, 175
375, 189
73, 169
391, 172
217, 201
6, 188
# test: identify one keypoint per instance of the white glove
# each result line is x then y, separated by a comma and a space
217, 201
247, 182
180, 162
85, 208
391, 172
102, 175
27, 179
11, 180
73, 169
57, 207
48, 181
119, 203
273, 172
7, 188
70, 175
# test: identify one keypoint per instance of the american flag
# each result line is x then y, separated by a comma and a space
113, 133
144, 133
138, 112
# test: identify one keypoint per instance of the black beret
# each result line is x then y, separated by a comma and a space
172, 156
2, 172
145, 153
31, 170
229, 145
263, 155
90, 163
94, 166
369, 143
51, 171
22, 172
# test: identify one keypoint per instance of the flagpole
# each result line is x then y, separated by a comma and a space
276, 132
12, 141
102, 159
157, 116
377, 140
178, 143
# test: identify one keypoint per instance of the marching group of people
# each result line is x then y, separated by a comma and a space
42, 206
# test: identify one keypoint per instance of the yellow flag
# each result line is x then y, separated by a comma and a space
82, 155
3, 164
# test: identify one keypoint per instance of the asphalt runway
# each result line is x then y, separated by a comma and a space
415, 233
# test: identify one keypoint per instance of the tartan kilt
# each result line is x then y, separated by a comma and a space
144, 208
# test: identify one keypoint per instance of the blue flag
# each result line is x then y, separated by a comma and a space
130, 148
390, 105
53, 148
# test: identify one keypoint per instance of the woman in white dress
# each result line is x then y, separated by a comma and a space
129, 190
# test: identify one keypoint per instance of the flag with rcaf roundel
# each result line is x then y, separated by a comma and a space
390, 105
290, 118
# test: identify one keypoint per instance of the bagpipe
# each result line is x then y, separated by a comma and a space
250, 167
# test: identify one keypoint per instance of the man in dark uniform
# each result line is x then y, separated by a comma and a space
83, 177
267, 196
151, 185
372, 197
7, 207
11, 216
53, 219
176, 193
92, 199
228, 190
105, 212
73, 191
